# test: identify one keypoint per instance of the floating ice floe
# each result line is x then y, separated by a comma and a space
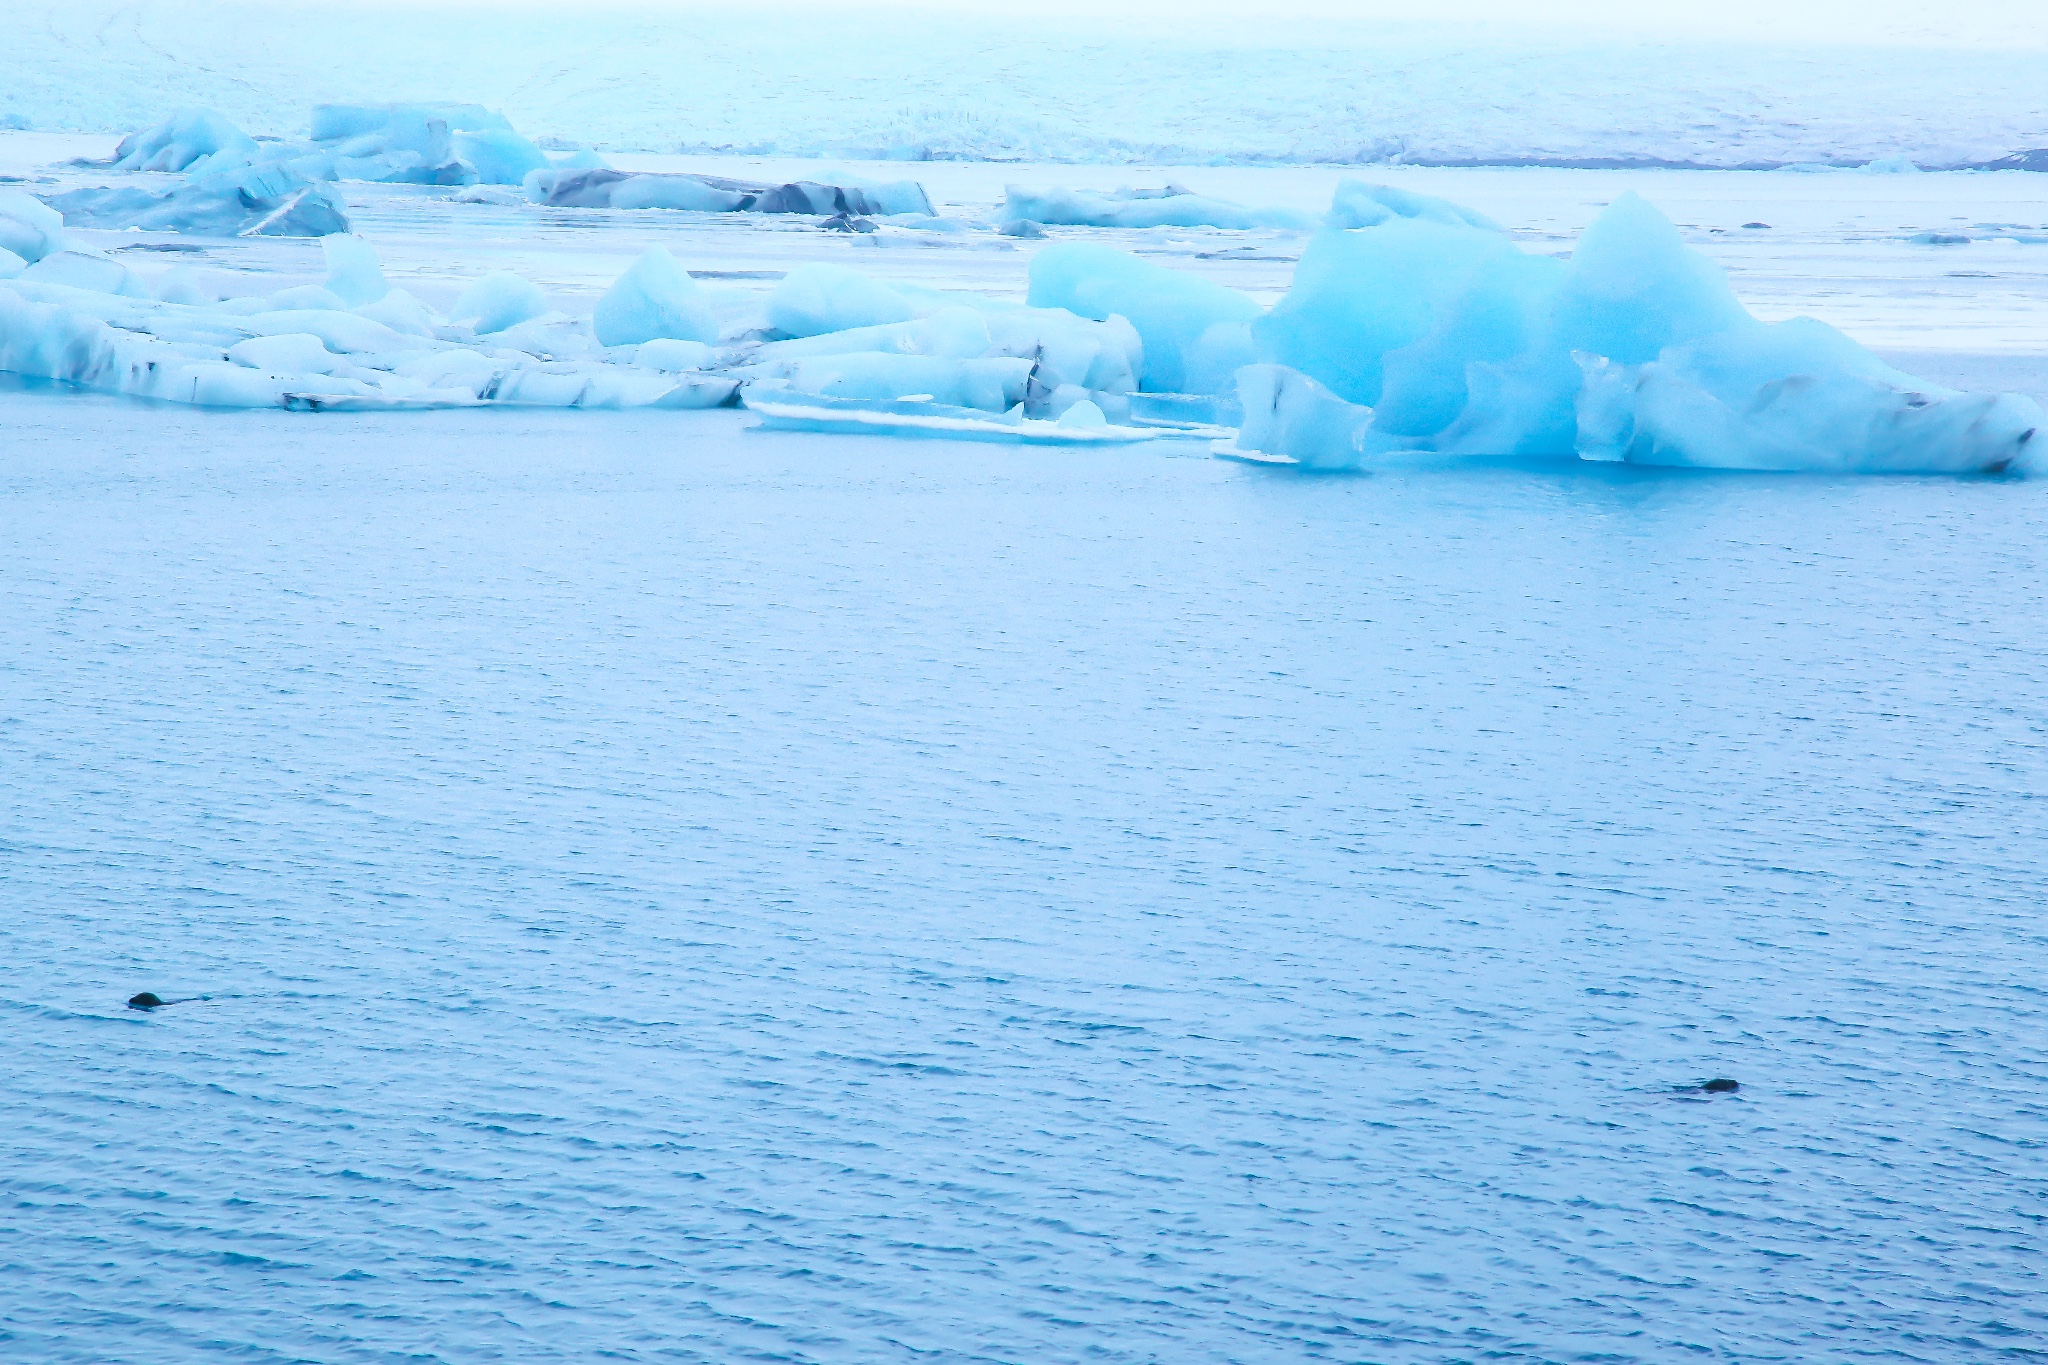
1416, 335
922, 416
1171, 206
600, 188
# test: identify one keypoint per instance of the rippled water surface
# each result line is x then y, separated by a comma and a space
669, 894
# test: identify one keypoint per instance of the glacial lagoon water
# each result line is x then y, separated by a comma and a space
663, 893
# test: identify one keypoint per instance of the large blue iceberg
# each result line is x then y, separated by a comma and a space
1440, 336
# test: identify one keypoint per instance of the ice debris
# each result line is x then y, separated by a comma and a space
600, 188
1170, 206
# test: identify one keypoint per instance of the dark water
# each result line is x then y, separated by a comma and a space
667, 894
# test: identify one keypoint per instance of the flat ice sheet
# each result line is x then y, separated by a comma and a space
693, 895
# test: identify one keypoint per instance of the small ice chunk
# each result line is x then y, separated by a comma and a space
496, 302
672, 355
354, 275
813, 299
29, 228
1083, 414
292, 353
1287, 413
655, 298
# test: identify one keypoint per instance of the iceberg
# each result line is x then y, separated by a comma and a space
813, 299
186, 137
300, 358
497, 301
29, 228
1187, 325
1424, 332
1796, 395
429, 144
1358, 204
247, 201
94, 271
1288, 414
950, 333
989, 384
424, 144
1171, 206
354, 275
654, 299
602, 188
